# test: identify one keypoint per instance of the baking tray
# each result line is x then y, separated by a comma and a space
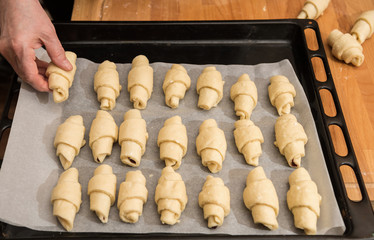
222, 42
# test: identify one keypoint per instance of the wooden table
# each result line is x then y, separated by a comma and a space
354, 85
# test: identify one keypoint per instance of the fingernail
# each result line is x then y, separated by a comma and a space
67, 65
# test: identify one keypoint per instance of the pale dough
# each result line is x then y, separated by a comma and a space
211, 145
140, 82
131, 197
313, 9
214, 199
345, 47
304, 201
69, 139
171, 196
103, 133
261, 198
67, 198
133, 138
210, 88
281, 94
175, 85
248, 139
60, 80
172, 140
290, 138
363, 27
244, 95
102, 191
106, 85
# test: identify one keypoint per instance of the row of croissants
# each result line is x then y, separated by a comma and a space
259, 197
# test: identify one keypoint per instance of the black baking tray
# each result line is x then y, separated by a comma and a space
222, 42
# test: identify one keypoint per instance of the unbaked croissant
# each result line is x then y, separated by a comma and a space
69, 139
172, 140
140, 82
60, 80
281, 94
244, 94
363, 27
106, 84
214, 199
171, 196
133, 138
261, 198
175, 85
210, 88
67, 198
131, 197
102, 191
313, 9
211, 145
304, 201
103, 133
290, 138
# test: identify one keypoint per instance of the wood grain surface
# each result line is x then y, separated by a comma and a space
354, 85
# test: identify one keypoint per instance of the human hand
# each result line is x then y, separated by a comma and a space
24, 27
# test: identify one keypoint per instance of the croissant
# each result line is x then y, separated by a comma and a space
106, 84
304, 201
171, 196
133, 138
102, 191
214, 199
175, 85
140, 82
172, 140
261, 198
248, 139
210, 88
290, 139
313, 9
345, 47
69, 139
60, 80
211, 145
244, 94
131, 197
363, 27
66, 198
103, 133
281, 94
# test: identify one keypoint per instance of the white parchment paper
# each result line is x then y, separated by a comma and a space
31, 169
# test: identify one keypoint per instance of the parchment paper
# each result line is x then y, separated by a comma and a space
31, 169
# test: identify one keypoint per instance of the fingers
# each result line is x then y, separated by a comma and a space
56, 52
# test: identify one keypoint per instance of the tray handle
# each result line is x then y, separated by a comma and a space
361, 220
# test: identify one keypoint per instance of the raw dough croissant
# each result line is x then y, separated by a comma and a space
345, 47
281, 94
313, 9
172, 140
248, 139
69, 139
60, 80
290, 138
304, 201
131, 197
261, 198
363, 27
211, 145
214, 199
133, 138
67, 198
106, 84
244, 94
140, 82
102, 191
171, 196
103, 133
210, 88
175, 85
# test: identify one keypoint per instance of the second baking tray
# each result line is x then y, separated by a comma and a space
234, 42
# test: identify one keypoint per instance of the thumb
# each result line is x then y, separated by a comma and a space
57, 53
